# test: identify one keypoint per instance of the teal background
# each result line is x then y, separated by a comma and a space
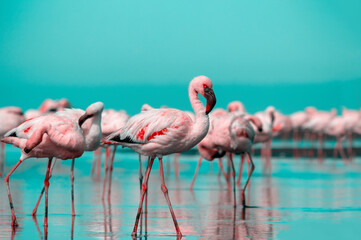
290, 54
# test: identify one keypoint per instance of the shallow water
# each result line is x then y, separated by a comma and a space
302, 199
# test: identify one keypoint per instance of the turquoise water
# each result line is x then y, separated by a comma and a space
302, 199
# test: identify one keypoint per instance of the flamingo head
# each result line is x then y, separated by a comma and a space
12, 110
236, 106
93, 110
204, 86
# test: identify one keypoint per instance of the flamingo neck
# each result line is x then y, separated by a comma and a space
92, 133
201, 122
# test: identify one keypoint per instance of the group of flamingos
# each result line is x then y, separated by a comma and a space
57, 131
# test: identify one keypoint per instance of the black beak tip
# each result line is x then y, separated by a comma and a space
260, 129
27, 150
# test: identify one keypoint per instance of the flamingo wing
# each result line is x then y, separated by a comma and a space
153, 126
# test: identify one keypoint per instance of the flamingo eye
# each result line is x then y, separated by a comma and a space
205, 86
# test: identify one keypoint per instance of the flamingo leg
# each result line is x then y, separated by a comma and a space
111, 171
140, 189
196, 173
43, 190
99, 160
107, 154
46, 183
247, 182
165, 192
93, 163
144, 189
234, 179
176, 161
240, 170
320, 147
72, 186
349, 149
14, 223
2, 158
340, 149
295, 143
224, 173
146, 206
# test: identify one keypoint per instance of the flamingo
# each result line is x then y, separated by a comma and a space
45, 137
317, 123
10, 117
236, 106
160, 132
90, 122
146, 107
298, 119
208, 152
352, 117
48, 106
111, 121
337, 129
234, 134
267, 119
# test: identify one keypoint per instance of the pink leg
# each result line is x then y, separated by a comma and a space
247, 182
46, 183
43, 190
311, 145
224, 173
176, 162
349, 149
96, 154
72, 227
240, 170
14, 223
234, 179
340, 149
196, 173
295, 141
146, 206
320, 147
144, 188
140, 190
72, 186
2, 158
111, 171
269, 154
107, 154
165, 192
99, 160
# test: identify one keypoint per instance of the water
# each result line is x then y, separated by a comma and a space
302, 199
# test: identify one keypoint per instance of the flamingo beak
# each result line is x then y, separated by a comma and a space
211, 99
83, 118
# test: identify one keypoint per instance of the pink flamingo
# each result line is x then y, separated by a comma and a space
111, 121
298, 119
208, 151
232, 134
336, 128
236, 106
160, 132
45, 137
48, 106
352, 117
317, 124
267, 119
147, 107
90, 123
10, 117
